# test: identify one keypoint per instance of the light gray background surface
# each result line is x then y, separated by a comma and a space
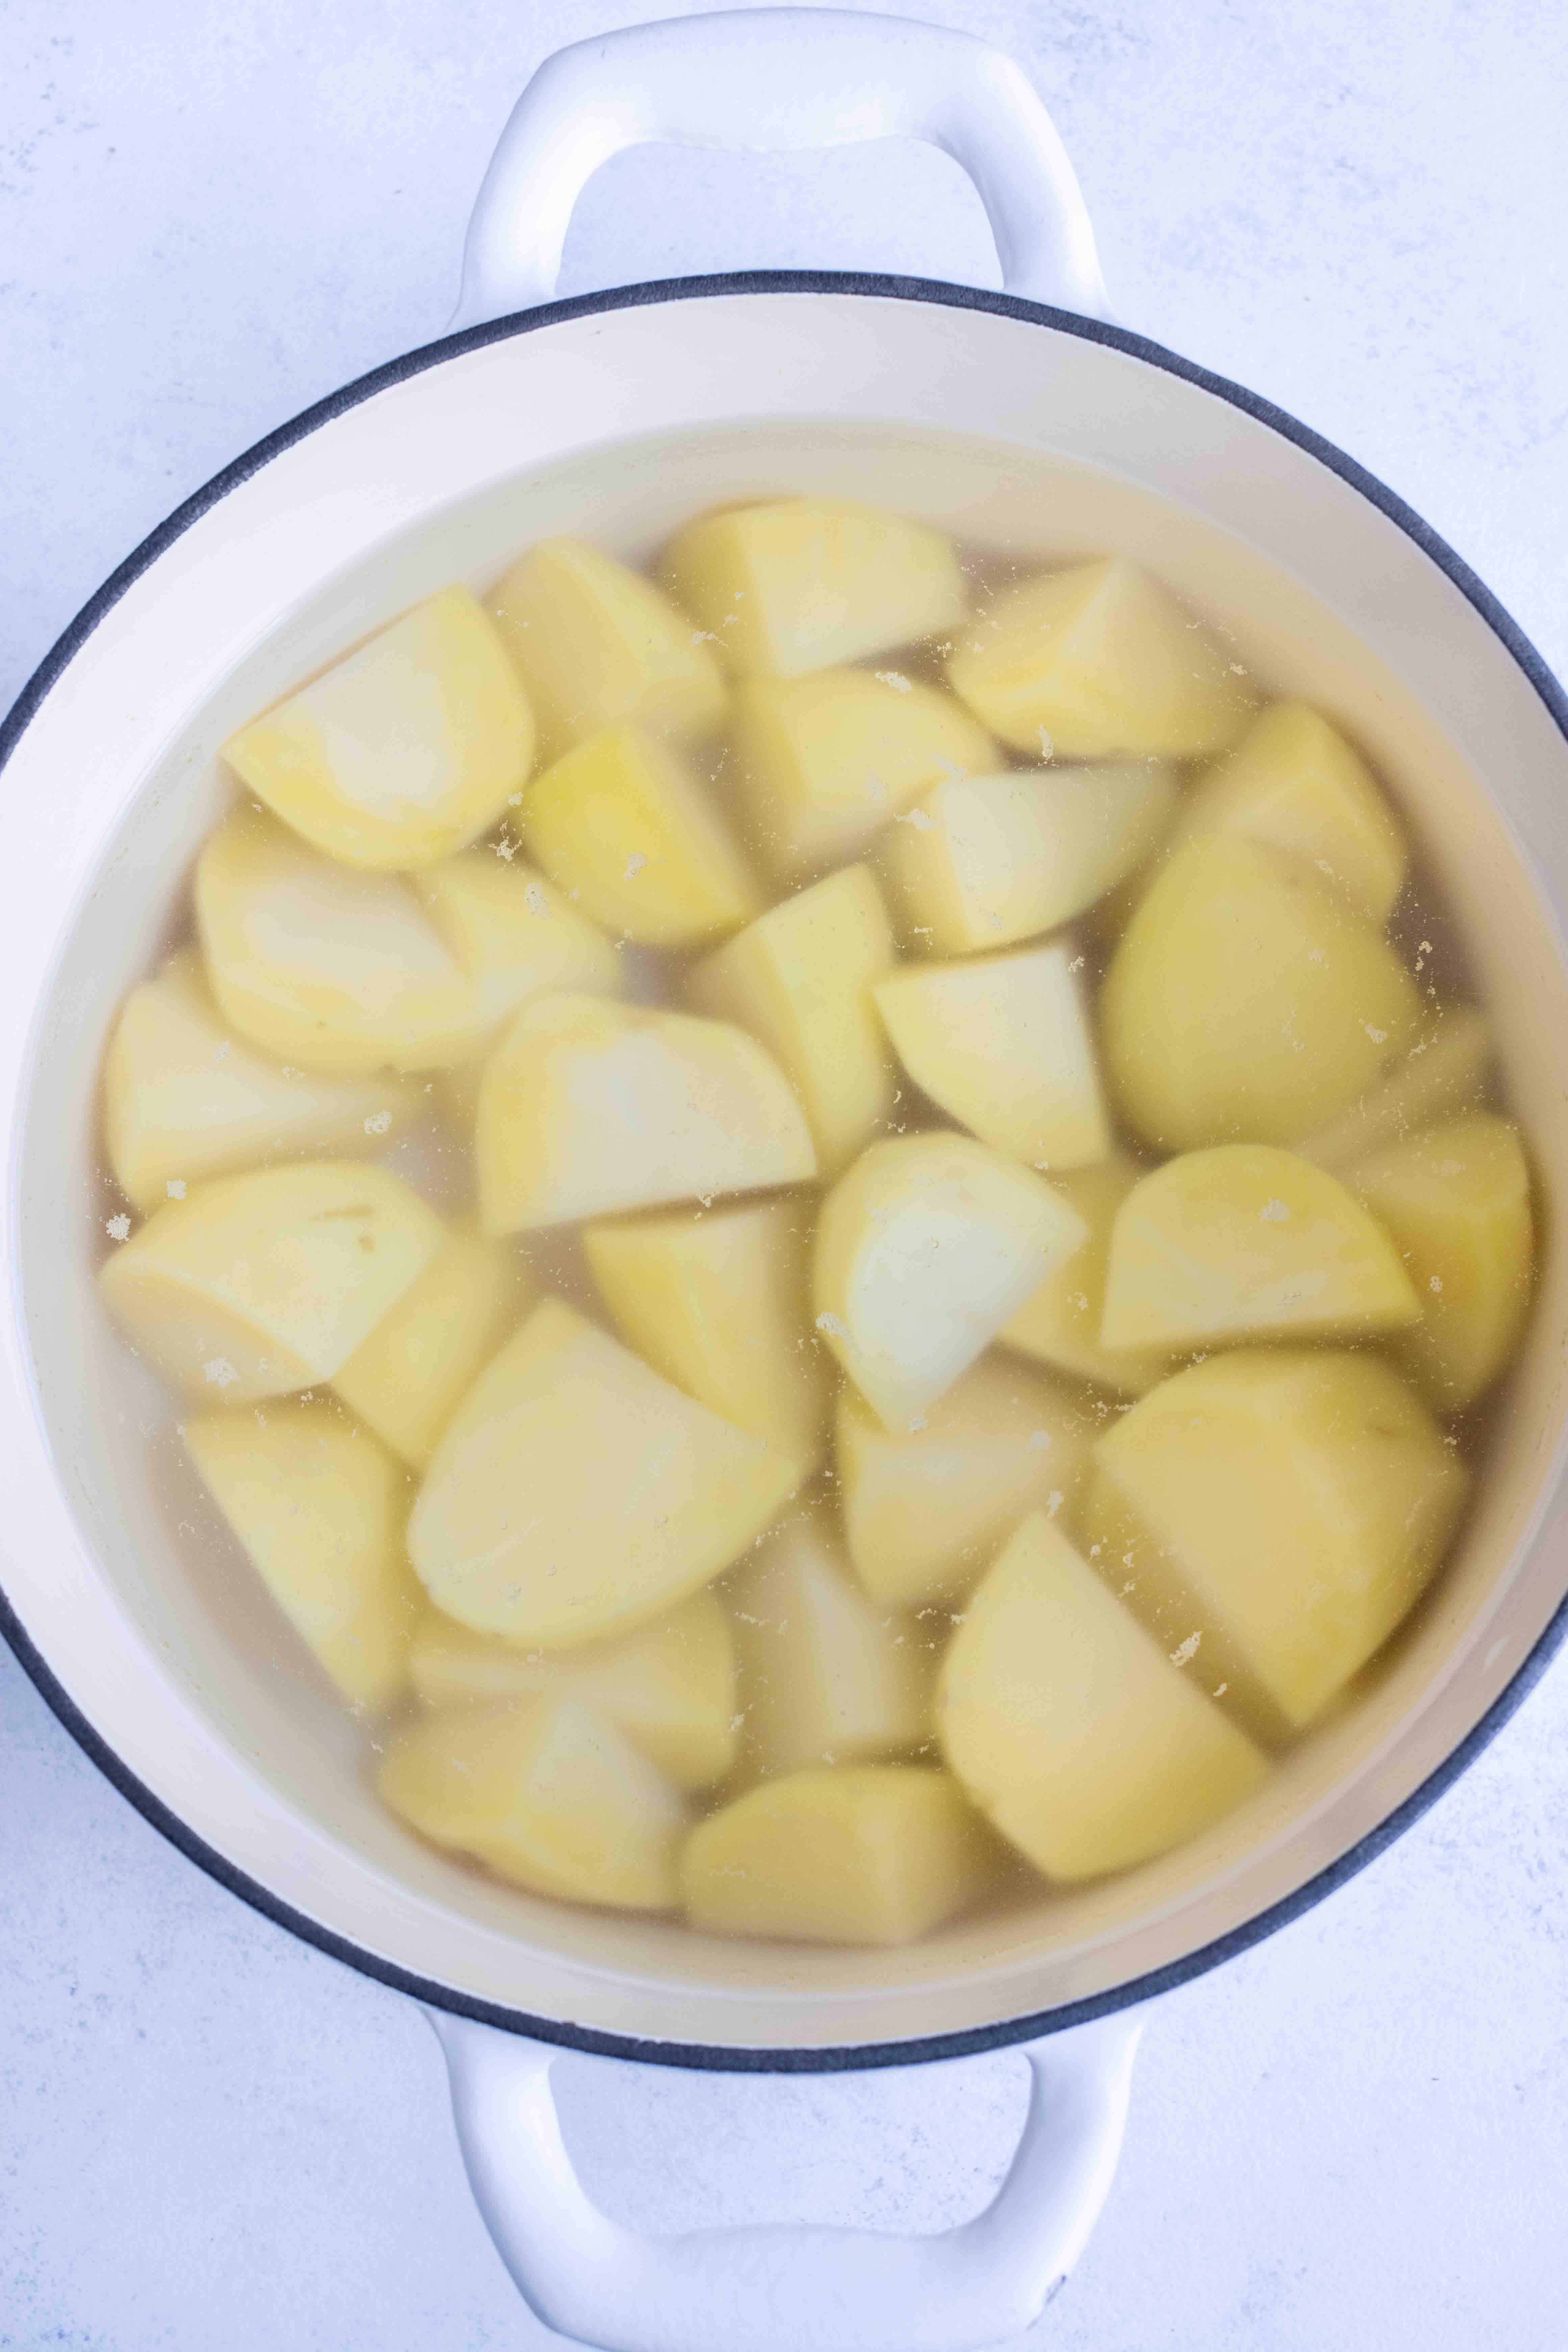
1356, 2138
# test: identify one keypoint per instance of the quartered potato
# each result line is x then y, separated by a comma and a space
1245, 1004
1294, 782
826, 1676
1445, 1071
925, 1248
1069, 1728
408, 1378
588, 1106
719, 1301
513, 935
1271, 1515
797, 584
982, 860
822, 762
1100, 662
1456, 1203
576, 1493
925, 1512
184, 1099
800, 979
670, 1686
403, 752
596, 643
1003, 1044
1060, 1323
623, 825
852, 1853
546, 1793
320, 1509
255, 1284
1246, 1241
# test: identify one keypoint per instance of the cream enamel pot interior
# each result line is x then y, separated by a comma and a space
1035, 429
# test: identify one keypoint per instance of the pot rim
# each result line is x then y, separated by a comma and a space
849, 2057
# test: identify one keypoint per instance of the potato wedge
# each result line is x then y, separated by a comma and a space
1445, 1071
576, 1493
1060, 1324
513, 935
408, 1379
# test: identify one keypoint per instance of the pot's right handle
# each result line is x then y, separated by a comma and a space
783, 2289
778, 77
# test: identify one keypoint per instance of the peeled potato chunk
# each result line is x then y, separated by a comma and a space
588, 1106
1069, 1728
1271, 1515
1456, 1203
670, 1686
982, 860
320, 1506
1100, 662
800, 979
719, 1301
622, 824
800, 584
403, 752
852, 1853
408, 1378
1245, 1004
1246, 1241
185, 1100
545, 1792
822, 762
1445, 1071
1060, 1324
1003, 1044
513, 935
594, 644
1294, 782
923, 1514
576, 1492
255, 1284
924, 1250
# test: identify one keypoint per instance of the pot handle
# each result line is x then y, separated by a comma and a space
757, 79
789, 2289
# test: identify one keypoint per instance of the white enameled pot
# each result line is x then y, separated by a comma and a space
1028, 422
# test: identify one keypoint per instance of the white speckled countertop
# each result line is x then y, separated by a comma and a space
1355, 2137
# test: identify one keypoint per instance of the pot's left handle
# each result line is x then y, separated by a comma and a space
783, 2289
762, 78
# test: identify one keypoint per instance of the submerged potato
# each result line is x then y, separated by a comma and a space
408, 1378
1445, 1071
1060, 1323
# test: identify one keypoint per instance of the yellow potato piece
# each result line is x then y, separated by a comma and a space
513, 935
822, 762
719, 1301
925, 1248
623, 823
800, 583
1099, 662
670, 1686
408, 1378
1286, 1508
853, 1854
588, 1106
923, 1514
1445, 1071
576, 1492
403, 752
800, 979
1294, 782
1245, 1004
1456, 1203
1246, 1241
594, 644
826, 1675
1069, 1728
1059, 1325
184, 1099
324, 966
982, 860
546, 1793
255, 1284
320, 1509
1002, 1044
